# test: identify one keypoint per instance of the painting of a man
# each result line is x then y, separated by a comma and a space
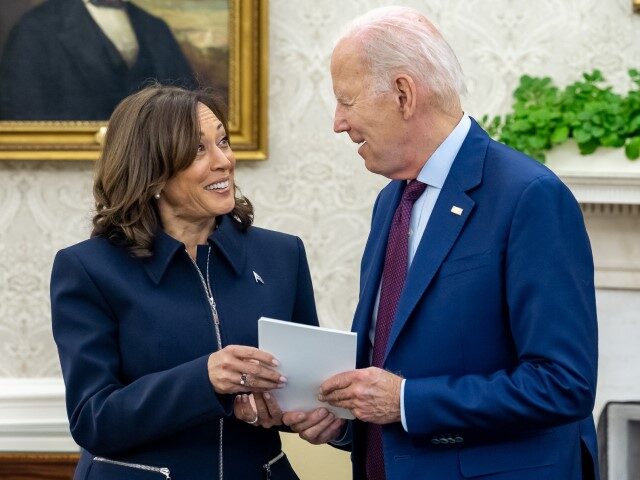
76, 59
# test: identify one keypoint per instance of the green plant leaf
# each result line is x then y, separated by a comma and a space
612, 140
588, 110
560, 135
632, 149
588, 147
581, 136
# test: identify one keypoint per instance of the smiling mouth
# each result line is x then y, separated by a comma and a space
217, 185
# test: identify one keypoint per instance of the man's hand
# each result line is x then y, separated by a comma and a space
318, 426
372, 394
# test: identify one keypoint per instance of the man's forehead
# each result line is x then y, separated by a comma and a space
347, 50
348, 64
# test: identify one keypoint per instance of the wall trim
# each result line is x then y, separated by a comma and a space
33, 416
609, 209
620, 189
604, 177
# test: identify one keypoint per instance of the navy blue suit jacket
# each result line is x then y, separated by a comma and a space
496, 329
134, 336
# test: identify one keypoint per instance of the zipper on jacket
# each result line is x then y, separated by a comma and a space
206, 285
148, 468
267, 466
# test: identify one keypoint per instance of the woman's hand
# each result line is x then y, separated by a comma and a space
239, 369
258, 409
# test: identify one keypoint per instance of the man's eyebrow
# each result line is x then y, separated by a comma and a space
344, 99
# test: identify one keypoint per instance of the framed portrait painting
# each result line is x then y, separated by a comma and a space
66, 64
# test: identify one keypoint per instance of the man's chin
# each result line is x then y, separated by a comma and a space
377, 168
372, 166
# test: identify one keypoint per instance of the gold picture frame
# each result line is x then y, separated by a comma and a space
248, 80
636, 6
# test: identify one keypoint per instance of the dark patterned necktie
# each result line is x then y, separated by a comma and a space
393, 277
108, 3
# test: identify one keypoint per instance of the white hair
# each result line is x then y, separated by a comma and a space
402, 40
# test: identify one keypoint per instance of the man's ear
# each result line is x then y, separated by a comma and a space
405, 89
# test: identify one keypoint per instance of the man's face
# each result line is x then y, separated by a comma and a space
372, 120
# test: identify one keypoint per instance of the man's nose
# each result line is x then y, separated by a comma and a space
339, 121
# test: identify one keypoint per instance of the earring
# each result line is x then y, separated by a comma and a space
157, 196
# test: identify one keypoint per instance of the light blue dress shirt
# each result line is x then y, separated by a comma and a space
433, 173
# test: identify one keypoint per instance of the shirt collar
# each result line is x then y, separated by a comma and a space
226, 239
436, 168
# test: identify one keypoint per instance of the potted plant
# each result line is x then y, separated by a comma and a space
587, 111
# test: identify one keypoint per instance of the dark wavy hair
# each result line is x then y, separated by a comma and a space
152, 135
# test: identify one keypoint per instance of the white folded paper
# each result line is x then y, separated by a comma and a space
308, 356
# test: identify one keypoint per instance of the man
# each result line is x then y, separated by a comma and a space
76, 59
476, 321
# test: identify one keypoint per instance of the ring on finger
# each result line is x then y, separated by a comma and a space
243, 379
254, 421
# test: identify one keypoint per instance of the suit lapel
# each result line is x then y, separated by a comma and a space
370, 281
444, 226
96, 57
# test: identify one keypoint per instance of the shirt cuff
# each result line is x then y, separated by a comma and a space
403, 418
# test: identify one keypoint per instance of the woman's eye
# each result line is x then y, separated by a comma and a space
224, 142
200, 147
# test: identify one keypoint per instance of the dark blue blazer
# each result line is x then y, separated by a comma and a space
59, 65
496, 329
134, 336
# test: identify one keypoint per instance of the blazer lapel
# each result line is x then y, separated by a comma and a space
444, 226
370, 281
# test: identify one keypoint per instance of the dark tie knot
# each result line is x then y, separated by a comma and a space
413, 190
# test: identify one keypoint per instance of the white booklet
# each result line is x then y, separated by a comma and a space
308, 356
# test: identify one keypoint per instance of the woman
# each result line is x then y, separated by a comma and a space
155, 316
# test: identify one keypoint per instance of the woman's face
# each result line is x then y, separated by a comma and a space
205, 189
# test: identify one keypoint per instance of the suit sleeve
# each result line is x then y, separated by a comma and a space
550, 300
106, 415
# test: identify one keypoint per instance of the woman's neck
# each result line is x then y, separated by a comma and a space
190, 233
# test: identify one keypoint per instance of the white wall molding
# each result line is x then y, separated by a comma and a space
604, 177
616, 189
33, 416
614, 231
607, 209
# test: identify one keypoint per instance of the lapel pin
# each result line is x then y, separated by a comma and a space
456, 210
258, 278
